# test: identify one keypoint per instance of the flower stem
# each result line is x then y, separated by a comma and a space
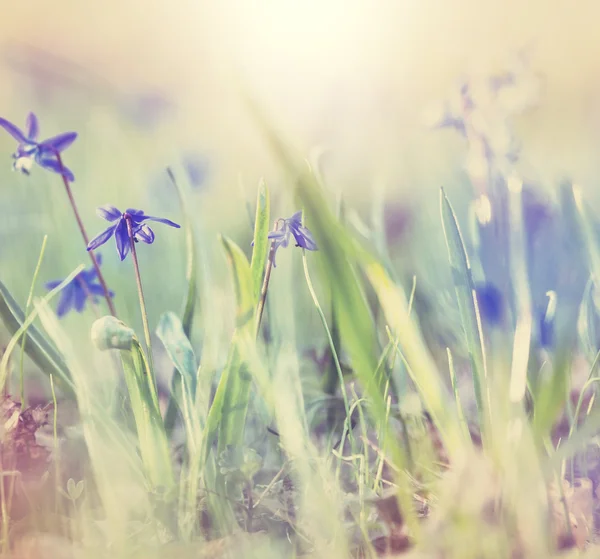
138, 279
265, 287
86, 239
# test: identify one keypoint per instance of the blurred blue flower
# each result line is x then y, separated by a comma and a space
491, 303
141, 231
546, 331
196, 168
45, 153
292, 226
147, 109
81, 288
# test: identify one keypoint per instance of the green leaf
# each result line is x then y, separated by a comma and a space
243, 282
191, 299
237, 381
587, 323
38, 347
467, 301
261, 242
153, 441
171, 333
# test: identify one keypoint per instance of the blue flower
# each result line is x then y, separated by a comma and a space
292, 226
81, 288
45, 153
196, 168
490, 302
141, 231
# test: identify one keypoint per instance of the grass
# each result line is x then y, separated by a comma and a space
402, 439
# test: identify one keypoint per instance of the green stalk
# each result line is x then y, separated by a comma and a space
138, 280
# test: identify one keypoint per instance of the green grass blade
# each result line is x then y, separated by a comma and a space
191, 274
38, 347
467, 302
261, 242
191, 298
238, 382
27, 306
152, 437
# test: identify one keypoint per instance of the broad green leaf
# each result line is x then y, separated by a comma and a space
171, 333
467, 301
38, 347
261, 242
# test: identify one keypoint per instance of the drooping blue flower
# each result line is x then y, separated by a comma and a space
292, 226
490, 302
45, 153
141, 231
82, 287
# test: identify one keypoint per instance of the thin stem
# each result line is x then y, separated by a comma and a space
265, 287
332, 347
138, 279
86, 238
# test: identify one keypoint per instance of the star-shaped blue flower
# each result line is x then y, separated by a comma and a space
81, 288
45, 153
141, 231
292, 226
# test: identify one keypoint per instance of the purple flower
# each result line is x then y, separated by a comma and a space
141, 231
490, 302
81, 288
45, 153
292, 226
196, 168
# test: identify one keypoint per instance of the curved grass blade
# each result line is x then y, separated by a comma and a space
38, 347
467, 303
261, 242
27, 306
191, 299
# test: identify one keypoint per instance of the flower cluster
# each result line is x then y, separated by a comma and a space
140, 231
82, 287
291, 227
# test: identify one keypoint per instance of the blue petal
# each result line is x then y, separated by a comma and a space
296, 219
66, 300
32, 127
48, 161
60, 142
97, 289
145, 234
162, 220
53, 284
491, 303
108, 212
79, 296
304, 238
101, 238
134, 213
122, 239
13, 131
280, 234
